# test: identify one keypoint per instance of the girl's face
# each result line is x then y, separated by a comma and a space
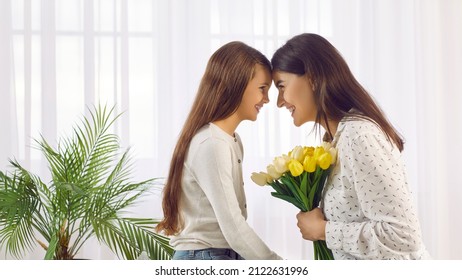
255, 94
296, 94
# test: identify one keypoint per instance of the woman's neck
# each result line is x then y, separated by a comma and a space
331, 127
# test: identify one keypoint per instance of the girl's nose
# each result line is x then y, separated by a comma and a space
266, 98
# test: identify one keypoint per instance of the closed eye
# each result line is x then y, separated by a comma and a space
279, 85
264, 88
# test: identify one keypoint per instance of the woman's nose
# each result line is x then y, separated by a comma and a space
281, 100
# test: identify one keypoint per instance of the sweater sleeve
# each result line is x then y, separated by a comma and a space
390, 228
213, 169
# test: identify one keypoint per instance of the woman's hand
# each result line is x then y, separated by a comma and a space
312, 224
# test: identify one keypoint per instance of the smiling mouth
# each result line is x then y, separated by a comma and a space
291, 110
258, 108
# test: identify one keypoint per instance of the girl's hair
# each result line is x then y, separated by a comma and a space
335, 88
220, 92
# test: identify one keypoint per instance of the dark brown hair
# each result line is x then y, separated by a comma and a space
220, 93
336, 89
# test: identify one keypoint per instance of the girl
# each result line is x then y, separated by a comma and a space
204, 201
367, 210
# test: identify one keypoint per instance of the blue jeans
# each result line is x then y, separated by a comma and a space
207, 254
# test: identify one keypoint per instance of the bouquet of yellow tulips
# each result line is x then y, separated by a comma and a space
299, 178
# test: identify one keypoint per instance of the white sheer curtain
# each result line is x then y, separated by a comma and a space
147, 57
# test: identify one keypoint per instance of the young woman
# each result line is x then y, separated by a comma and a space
367, 210
204, 201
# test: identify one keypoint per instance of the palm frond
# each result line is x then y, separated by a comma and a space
96, 147
118, 192
90, 189
19, 202
51, 250
128, 238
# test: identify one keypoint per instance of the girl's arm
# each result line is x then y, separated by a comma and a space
213, 171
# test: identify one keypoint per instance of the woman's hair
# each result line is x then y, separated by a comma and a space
220, 93
336, 90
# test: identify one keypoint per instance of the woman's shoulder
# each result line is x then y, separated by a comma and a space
358, 126
364, 132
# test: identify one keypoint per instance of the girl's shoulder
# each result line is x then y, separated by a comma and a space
211, 134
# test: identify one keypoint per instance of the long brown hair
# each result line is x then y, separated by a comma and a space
220, 93
336, 89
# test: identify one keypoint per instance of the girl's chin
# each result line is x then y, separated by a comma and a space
253, 118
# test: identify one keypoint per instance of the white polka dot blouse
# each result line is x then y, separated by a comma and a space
367, 201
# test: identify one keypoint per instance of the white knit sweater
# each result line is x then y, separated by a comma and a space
213, 203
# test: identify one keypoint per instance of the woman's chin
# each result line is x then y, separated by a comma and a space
297, 123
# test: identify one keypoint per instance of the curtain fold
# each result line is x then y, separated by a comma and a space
146, 57
438, 62
7, 119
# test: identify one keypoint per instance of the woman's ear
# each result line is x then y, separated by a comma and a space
312, 83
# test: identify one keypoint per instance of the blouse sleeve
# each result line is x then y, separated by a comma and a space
390, 229
213, 172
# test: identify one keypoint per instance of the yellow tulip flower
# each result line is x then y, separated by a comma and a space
326, 145
304, 192
309, 151
298, 153
295, 167
318, 152
280, 163
272, 172
333, 153
325, 160
260, 178
309, 164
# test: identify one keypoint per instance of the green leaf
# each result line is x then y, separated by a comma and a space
278, 187
52, 248
90, 190
304, 183
311, 195
321, 251
133, 236
290, 199
289, 181
19, 204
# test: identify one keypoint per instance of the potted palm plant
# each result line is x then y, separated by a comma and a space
88, 195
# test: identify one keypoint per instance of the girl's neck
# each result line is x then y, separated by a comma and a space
228, 125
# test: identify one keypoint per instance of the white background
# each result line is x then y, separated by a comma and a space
147, 57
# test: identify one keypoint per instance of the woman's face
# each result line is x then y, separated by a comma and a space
255, 94
296, 94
